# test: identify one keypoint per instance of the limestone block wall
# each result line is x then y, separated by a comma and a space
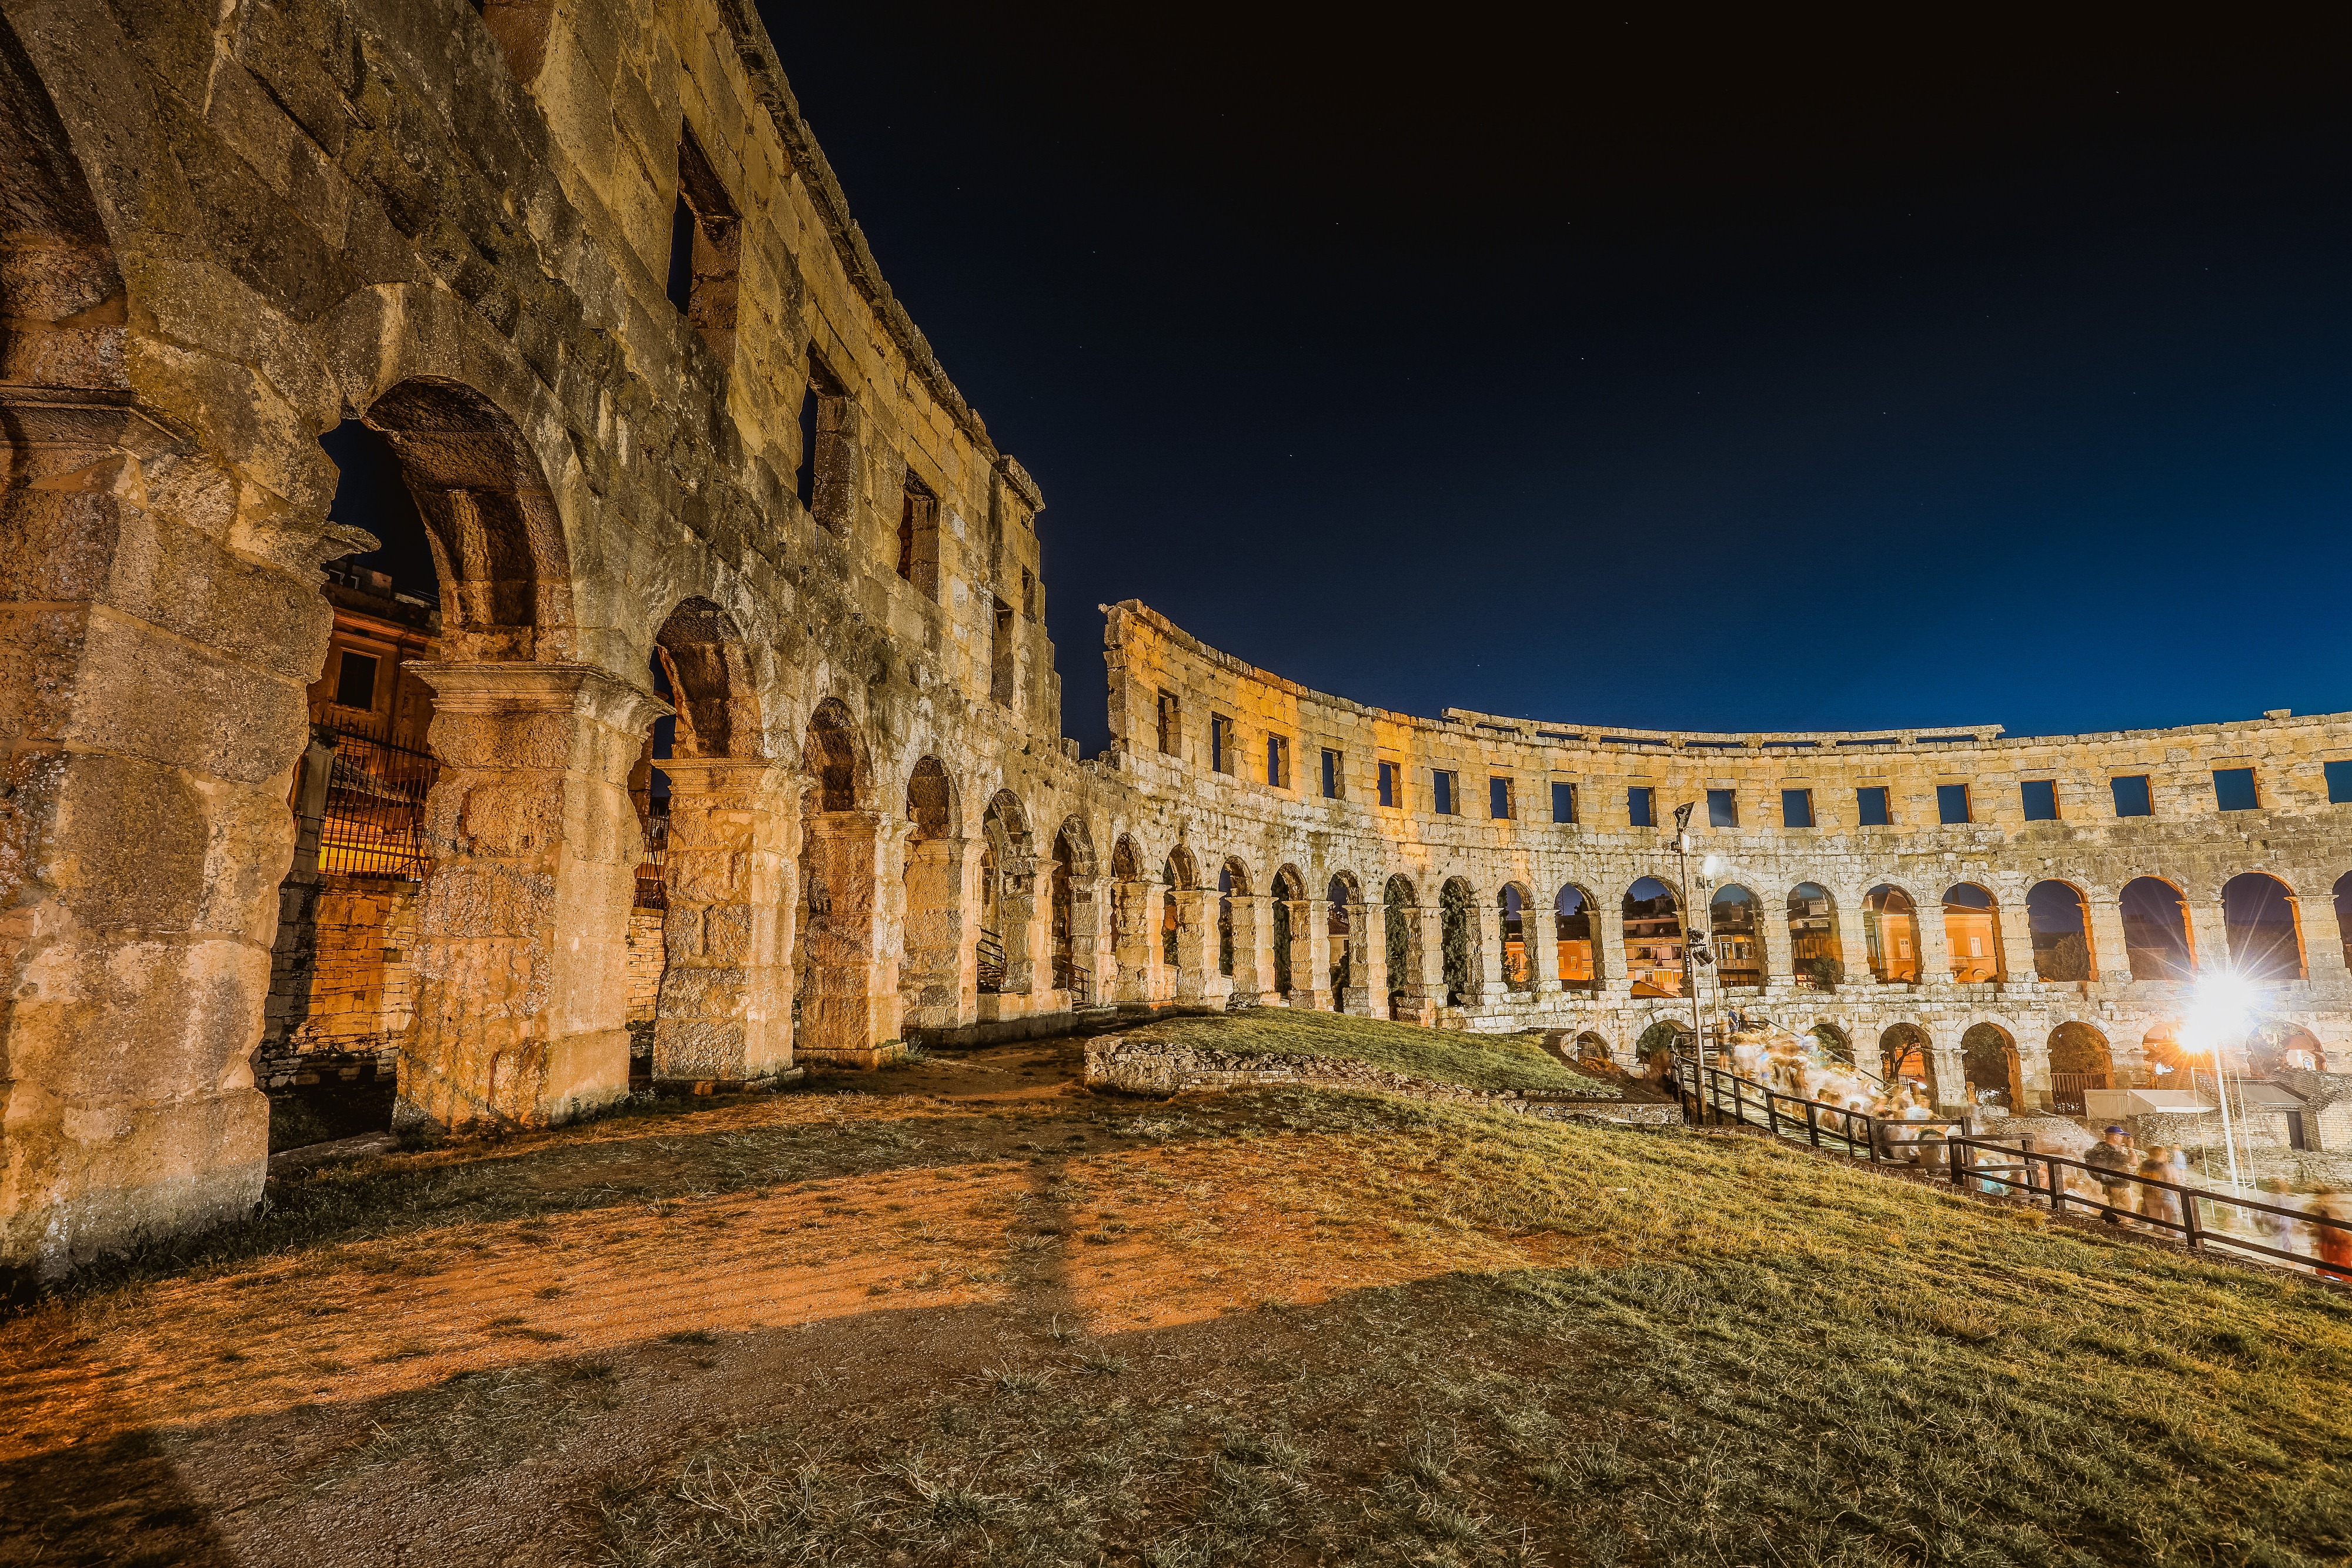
646, 959
340, 1001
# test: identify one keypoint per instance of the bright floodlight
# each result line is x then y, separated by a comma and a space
1711, 867
2220, 1014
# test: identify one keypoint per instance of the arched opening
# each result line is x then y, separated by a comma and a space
1458, 929
2155, 930
1654, 939
1134, 924
2278, 1046
2060, 924
2343, 918
1401, 932
1813, 958
1571, 925
1905, 1053
2079, 1061
1349, 947
1654, 1051
931, 981
1004, 953
1236, 956
1289, 926
847, 1002
1738, 944
1518, 971
1990, 1066
1890, 930
1592, 1047
1177, 875
2169, 1064
2265, 927
1075, 919
1972, 935
1833, 1042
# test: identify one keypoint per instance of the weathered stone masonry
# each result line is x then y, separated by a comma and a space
230, 227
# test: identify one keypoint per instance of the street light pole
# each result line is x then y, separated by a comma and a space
1694, 943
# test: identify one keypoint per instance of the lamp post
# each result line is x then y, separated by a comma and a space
2221, 1010
1697, 952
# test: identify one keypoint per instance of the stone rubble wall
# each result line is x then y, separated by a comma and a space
340, 1000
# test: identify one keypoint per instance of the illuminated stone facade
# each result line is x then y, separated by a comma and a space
233, 228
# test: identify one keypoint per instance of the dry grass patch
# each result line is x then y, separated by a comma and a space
1491, 1061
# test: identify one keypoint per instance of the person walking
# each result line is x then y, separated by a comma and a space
2277, 1230
2110, 1160
2334, 1241
2160, 1207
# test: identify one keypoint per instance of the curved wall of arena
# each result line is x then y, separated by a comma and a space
2293, 833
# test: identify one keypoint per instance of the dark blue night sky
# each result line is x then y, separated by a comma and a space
1645, 373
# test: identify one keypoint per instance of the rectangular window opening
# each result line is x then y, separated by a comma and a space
1796, 808
1871, 806
2132, 798
355, 681
1641, 806
1498, 798
1000, 672
705, 250
2340, 782
918, 537
1387, 784
2234, 788
1722, 807
1171, 723
1442, 790
1277, 761
1952, 803
1563, 801
822, 481
1221, 744
1330, 775
2039, 797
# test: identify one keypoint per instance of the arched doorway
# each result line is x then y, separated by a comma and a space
1890, 930
1236, 932
1073, 920
1136, 918
2277, 1046
1972, 935
2265, 927
1907, 1058
1833, 1042
2060, 924
1285, 910
2156, 931
931, 980
1738, 944
1458, 929
1593, 1047
1350, 957
847, 1002
1654, 939
1401, 932
2079, 1061
1004, 956
1518, 972
1179, 920
1813, 955
1654, 1051
1571, 922
1988, 1064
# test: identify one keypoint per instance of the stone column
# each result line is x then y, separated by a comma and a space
1935, 951
1135, 936
725, 1014
1540, 930
849, 989
1310, 954
154, 651
1608, 964
1779, 947
522, 958
1854, 939
1197, 978
1368, 923
1431, 988
2110, 958
1253, 945
1486, 953
2209, 934
936, 970
2016, 932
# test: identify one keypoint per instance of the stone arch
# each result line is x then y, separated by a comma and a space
1287, 915
1907, 1057
1400, 935
1738, 936
2059, 918
1458, 925
1991, 1068
2279, 1046
1514, 908
1004, 953
932, 978
2079, 1061
1572, 915
1653, 938
2265, 927
848, 1000
1350, 943
1835, 1043
839, 777
1890, 925
1816, 959
1655, 1048
1071, 931
1593, 1047
2155, 930
705, 660
1137, 902
1972, 933
1236, 927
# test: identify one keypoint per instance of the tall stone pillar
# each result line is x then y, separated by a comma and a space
1779, 947
154, 649
1538, 930
1609, 967
522, 955
725, 1013
1197, 978
849, 978
1253, 945
2110, 958
2016, 942
1135, 938
936, 968
1431, 987
1934, 950
1310, 954
2209, 934
1369, 939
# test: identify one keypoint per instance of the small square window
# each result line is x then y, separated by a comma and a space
2339, 782
1221, 743
1723, 809
1498, 798
2041, 798
1871, 806
2234, 788
1442, 786
1796, 808
1563, 802
2131, 795
1641, 806
355, 681
1330, 775
1388, 783
1952, 803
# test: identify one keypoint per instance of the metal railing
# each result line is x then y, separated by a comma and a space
371, 820
653, 876
990, 952
1072, 976
1943, 1147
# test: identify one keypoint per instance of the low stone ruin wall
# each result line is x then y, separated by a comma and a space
1156, 1067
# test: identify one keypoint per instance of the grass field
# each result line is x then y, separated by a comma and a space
966, 1313
1474, 1061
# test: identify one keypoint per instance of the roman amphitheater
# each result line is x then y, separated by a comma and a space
582, 277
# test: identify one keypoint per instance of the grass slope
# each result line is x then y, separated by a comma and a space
1474, 1060
950, 1318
